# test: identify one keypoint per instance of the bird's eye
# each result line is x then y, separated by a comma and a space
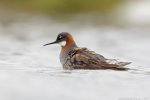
60, 37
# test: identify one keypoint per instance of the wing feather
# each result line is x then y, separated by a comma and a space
82, 58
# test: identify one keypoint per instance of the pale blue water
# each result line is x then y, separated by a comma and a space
30, 71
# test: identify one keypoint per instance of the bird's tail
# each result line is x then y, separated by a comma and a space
120, 64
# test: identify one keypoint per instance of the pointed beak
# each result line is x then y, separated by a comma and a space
51, 43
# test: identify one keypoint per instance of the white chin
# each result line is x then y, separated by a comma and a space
63, 43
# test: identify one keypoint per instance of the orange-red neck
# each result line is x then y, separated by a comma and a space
68, 42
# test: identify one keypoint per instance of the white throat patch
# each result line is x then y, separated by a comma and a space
63, 43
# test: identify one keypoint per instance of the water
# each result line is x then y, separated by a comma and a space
30, 71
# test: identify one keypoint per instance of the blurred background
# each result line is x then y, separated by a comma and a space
74, 14
113, 28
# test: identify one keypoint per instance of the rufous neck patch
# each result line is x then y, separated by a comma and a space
68, 42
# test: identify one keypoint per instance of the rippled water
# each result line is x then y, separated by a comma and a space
29, 71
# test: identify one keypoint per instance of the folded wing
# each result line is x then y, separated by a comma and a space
82, 58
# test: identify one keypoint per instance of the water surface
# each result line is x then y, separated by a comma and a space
29, 71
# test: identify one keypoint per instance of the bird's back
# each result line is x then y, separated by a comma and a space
82, 58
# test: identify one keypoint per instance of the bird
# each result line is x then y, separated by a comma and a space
74, 57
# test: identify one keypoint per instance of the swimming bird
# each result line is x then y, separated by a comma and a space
74, 57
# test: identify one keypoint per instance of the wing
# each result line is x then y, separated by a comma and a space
82, 58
